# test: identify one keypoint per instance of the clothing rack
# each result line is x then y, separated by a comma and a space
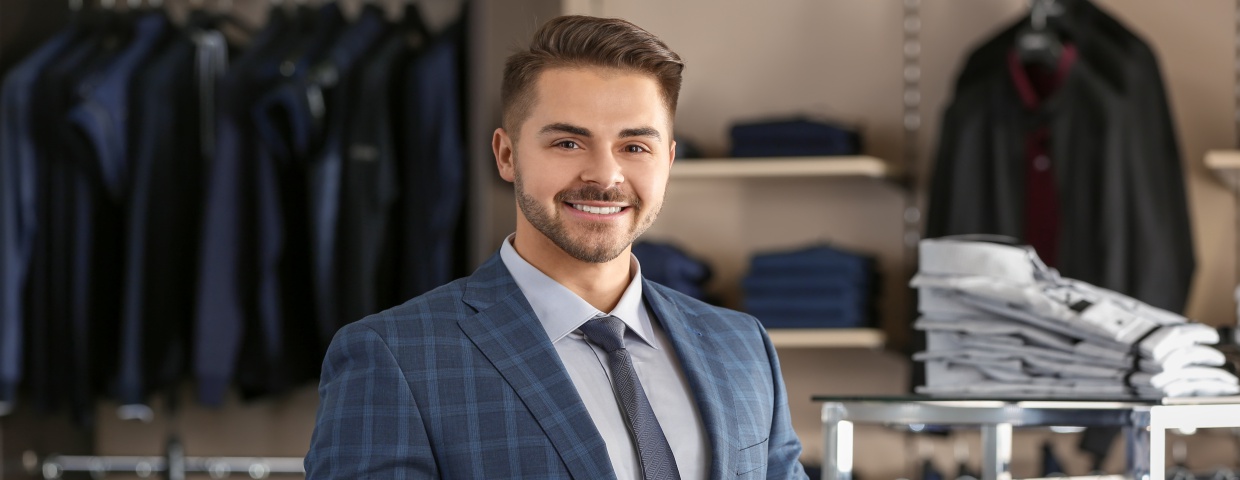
174, 465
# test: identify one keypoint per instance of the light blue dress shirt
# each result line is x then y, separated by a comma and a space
562, 312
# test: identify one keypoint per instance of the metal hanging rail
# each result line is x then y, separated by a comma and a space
55, 466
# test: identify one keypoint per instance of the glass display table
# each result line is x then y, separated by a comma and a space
1144, 422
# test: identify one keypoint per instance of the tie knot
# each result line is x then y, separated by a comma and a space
606, 332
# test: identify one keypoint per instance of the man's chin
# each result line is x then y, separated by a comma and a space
592, 251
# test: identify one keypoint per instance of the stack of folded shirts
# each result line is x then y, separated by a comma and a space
671, 267
817, 287
793, 138
999, 322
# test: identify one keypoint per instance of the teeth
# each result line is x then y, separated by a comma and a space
597, 210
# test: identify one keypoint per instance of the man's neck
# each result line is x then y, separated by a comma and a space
599, 284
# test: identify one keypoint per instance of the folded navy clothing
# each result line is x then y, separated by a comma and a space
672, 267
814, 287
812, 260
796, 319
858, 300
804, 304
798, 284
793, 137
686, 149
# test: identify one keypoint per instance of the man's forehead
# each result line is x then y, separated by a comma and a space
598, 99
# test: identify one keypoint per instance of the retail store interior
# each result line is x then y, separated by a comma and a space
195, 195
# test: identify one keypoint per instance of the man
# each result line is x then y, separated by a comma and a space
516, 371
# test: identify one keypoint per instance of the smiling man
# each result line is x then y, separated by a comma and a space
556, 359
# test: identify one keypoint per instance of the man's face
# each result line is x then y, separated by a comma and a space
591, 162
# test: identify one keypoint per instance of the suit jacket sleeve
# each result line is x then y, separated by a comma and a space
368, 425
784, 448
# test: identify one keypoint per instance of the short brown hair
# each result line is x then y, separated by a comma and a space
582, 41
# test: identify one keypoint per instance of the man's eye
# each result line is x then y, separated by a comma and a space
634, 148
568, 144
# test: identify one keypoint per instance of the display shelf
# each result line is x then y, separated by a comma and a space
1223, 160
827, 337
1226, 166
854, 166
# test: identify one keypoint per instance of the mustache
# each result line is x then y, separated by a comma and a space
589, 193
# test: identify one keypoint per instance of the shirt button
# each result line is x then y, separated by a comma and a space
1041, 163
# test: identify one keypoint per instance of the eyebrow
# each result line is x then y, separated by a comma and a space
640, 132
565, 128
585, 132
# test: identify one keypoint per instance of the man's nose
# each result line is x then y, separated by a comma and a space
603, 169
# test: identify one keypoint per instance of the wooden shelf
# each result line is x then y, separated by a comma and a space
1221, 160
860, 166
1225, 164
827, 337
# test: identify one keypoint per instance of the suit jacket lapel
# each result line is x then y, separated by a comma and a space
508, 333
699, 352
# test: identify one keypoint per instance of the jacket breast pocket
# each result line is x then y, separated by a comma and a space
751, 461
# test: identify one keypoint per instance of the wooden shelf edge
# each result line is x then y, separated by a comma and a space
827, 337
858, 166
1226, 167
1221, 160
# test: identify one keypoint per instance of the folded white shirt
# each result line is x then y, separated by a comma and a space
949, 343
966, 380
1000, 322
1011, 281
986, 329
982, 376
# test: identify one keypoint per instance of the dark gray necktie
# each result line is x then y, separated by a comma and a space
653, 452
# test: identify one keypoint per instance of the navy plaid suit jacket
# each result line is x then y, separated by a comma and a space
462, 382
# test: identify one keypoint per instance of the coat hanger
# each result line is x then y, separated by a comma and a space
1040, 42
413, 22
222, 12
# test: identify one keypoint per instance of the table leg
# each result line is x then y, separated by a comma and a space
997, 451
1158, 453
1137, 437
837, 443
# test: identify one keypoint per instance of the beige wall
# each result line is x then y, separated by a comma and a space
839, 58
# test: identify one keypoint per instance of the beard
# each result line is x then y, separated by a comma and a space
595, 242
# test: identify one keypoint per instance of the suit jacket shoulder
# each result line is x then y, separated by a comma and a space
467, 378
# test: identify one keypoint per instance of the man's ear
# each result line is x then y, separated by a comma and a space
501, 145
672, 154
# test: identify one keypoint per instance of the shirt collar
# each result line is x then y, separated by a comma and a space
562, 312
982, 255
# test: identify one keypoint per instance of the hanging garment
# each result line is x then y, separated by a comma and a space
163, 222
19, 159
252, 280
334, 80
433, 166
162, 218
369, 187
78, 232
1123, 217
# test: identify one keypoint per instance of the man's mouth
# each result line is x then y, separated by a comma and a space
596, 210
